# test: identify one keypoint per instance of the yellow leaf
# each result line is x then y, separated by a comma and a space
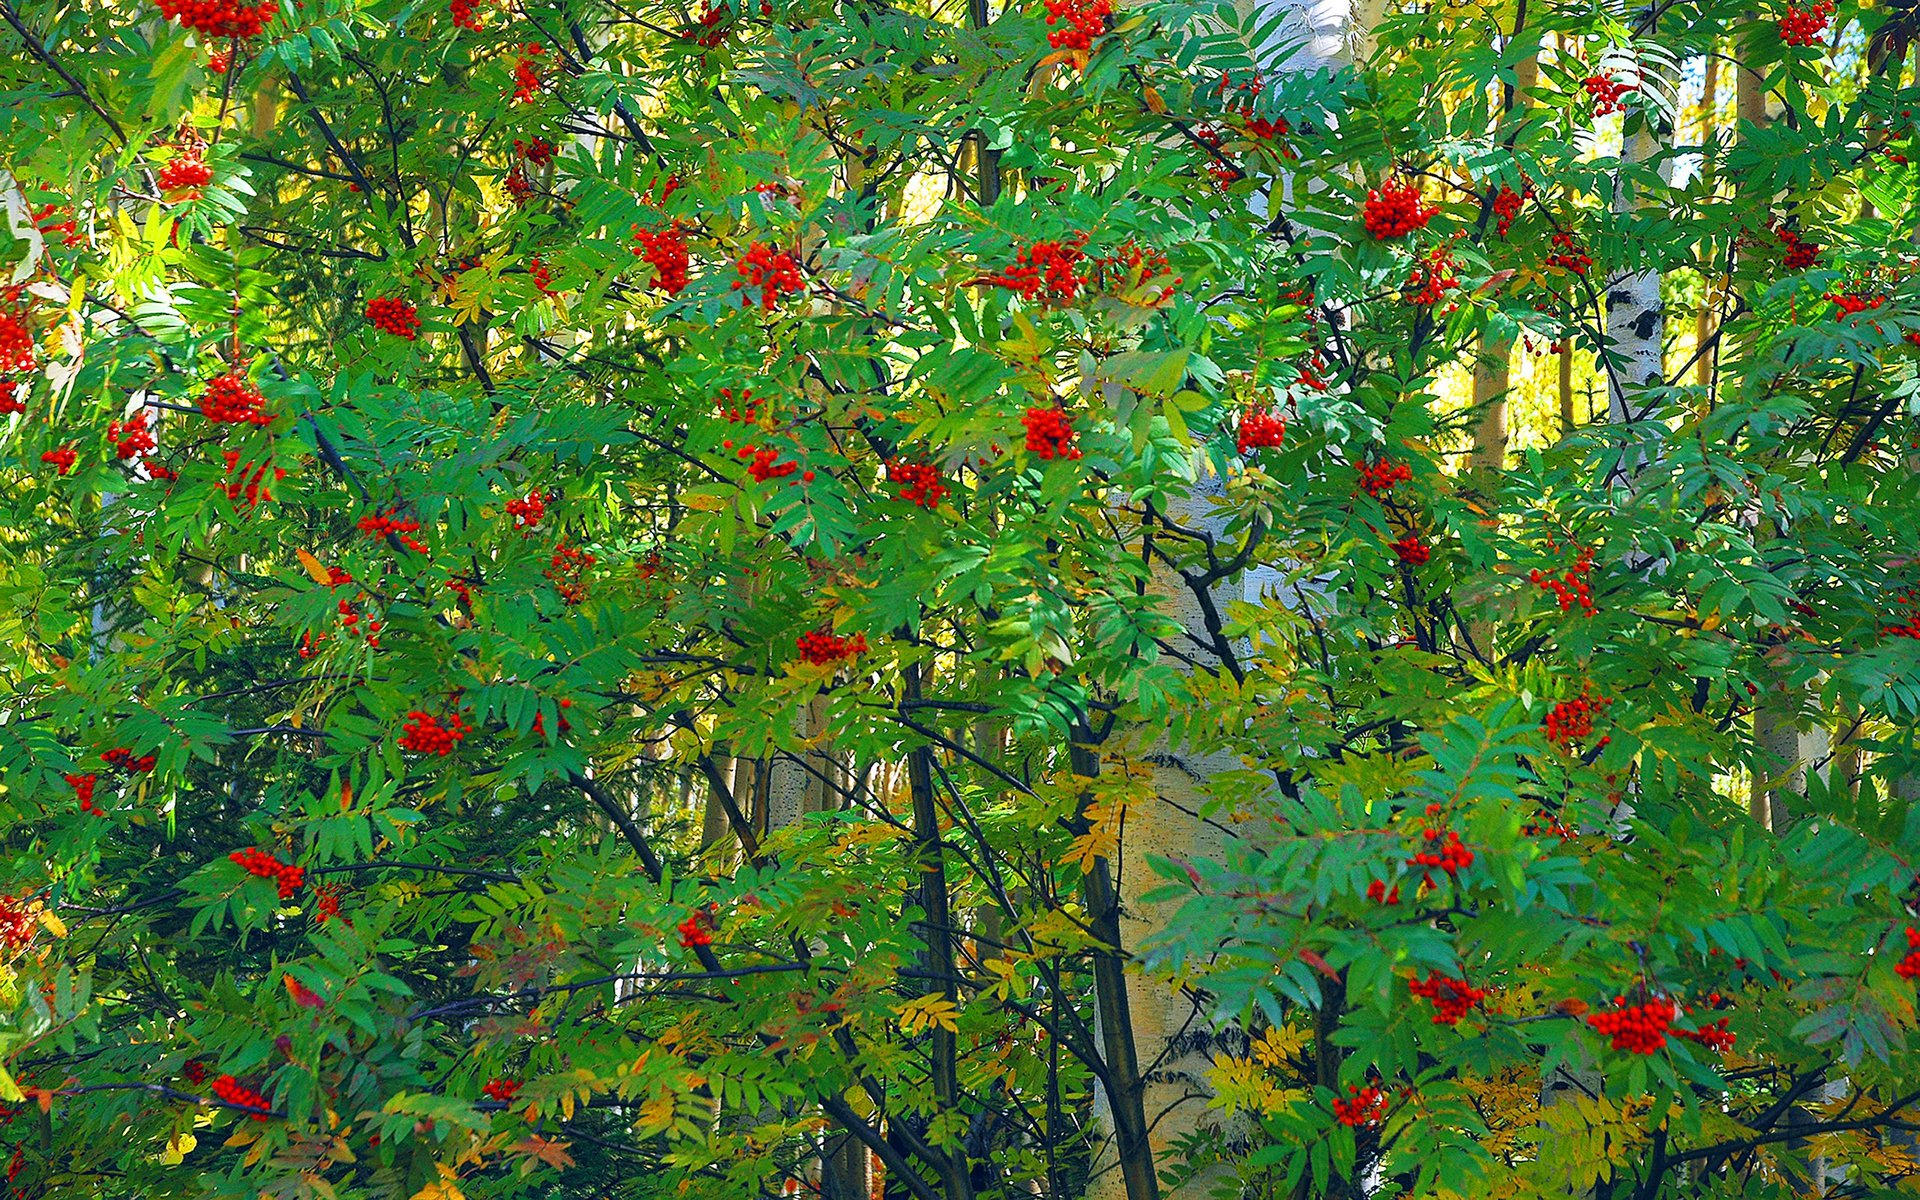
54, 924
1154, 102
314, 567
178, 1147
923, 1013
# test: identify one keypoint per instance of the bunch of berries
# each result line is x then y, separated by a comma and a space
464, 16
567, 569
60, 458
220, 61
1909, 966
426, 733
1260, 430
247, 481
1361, 1106
1055, 268
503, 1090
823, 646
58, 218
1050, 433
326, 905
765, 464
526, 73
711, 28
1266, 129
739, 409
1714, 1036
230, 400
350, 619
1803, 26
1571, 721
1133, 265
540, 719
919, 483
123, 758
1394, 210
1847, 304
539, 151
1380, 893
541, 274
1635, 1028
185, 173
1800, 254
18, 923
1379, 476
220, 18
520, 189
1506, 206
1452, 998
1080, 21
239, 1095
390, 314
1440, 847
194, 1071
10, 401
391, 524
697, 929
1431, 277
16, 338
1606, 92
1567, 255
665, 250
775, 272
527, 511
131, 438
288, 878
1572, 588
83, 786
1412, 551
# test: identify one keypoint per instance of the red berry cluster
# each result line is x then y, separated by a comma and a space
1055, 268
193, 1071
1431, 277
1050, 433
247, 481
1394, 210
526, 72
186, 172
16, 341
131, 438
919, 483
739, 409
1570, 589
83, 786
1452, 998
520, 189
1800, 254
1267, 129
1379, 893
68, 228
1635, 1028
220, 61
568, 570
775, 272
1080, 21
1361, 1106
17, 923
1910, 627
1567, 255
1909, 966
541, 274
1133, 264
60, 458
239, 1095
123, 758
326, 904
392, 524
230, 400
540, 719
390, 314
10, 403
712, 27
287, 877
1849, 303
220, 18
1507, 204
697, 929
1412, 551
527, 511
503, 1090
464, 16
1260, 430
765, 464
1606, 92
1714, 1036
1803, 26
350, 620
666, 252
1440, 847
1571, 721
823, 646
425, 733
1379, 476
539, 151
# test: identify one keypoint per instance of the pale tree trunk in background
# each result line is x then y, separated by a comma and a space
1709, 126
1565, 390
1494, 361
